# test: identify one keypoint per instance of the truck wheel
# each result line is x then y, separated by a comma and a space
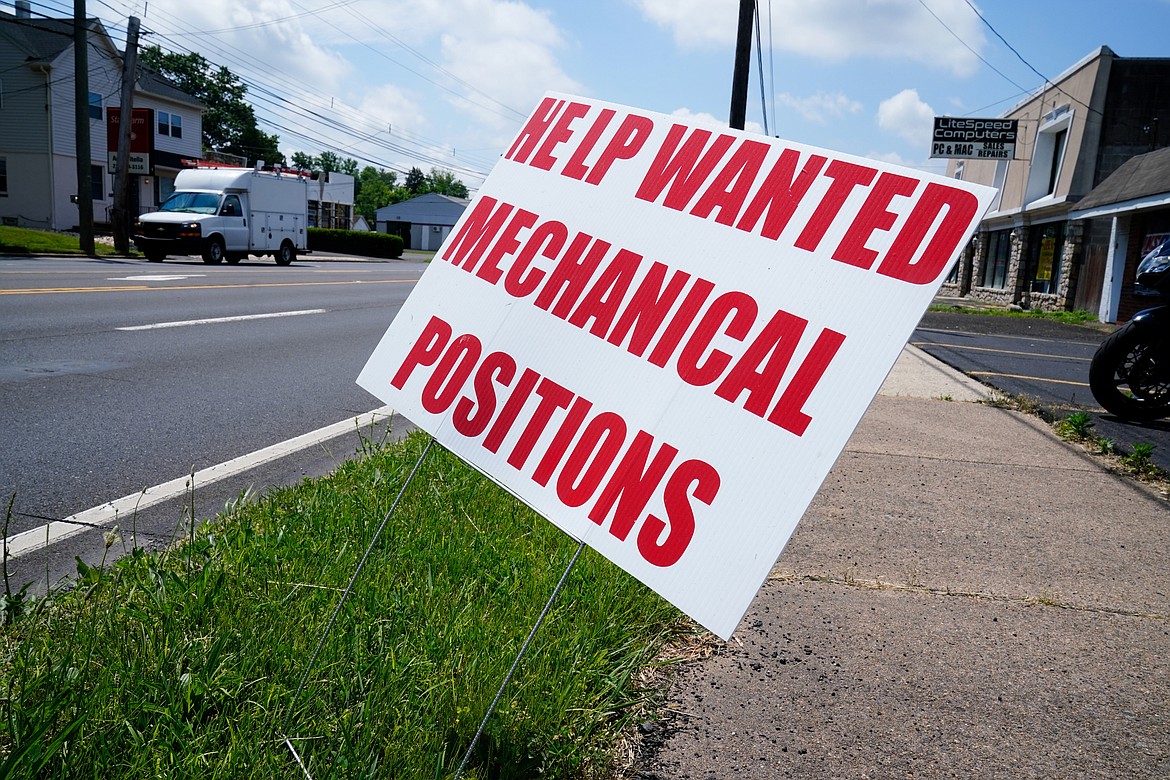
155, 257
286, 254
213, 251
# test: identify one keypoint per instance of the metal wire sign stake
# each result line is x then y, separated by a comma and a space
523, 648
348, 589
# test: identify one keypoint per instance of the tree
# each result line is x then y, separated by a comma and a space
304, 162
374, 189
445, 183
416, 182
229, 123
331, 161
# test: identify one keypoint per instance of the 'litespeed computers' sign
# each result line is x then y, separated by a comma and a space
983, 139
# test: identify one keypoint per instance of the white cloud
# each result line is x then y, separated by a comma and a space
694, 23
907, 116
702, 117
836, 30
821, 107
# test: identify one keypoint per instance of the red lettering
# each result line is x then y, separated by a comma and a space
534, 130
506, 244
562, 132
961, 208
680, 523
471, 418
626, 142
648, 308
476, 233
632, 485
451, 373
873, 216
683, 169
552, 397
789, 413
573, 272
604, 299
575, 168
560, 443
692, 368
846, 176
547, 240
511, 410
780, 194
591, 458
681, 322
776, 344
731, 186
426, 350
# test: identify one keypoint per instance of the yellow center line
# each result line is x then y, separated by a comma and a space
138, 288
1032, 378
1000, 351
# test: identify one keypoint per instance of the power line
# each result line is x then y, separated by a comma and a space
1045, 79
968, 47
422, 151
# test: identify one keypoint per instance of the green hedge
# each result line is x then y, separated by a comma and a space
355, 242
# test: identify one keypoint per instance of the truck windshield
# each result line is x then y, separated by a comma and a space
194, 202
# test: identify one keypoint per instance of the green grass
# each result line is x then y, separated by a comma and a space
1077, 317
183, 663
14, 240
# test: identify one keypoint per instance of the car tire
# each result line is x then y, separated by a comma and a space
287, 254
213, 251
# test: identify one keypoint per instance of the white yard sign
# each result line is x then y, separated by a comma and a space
660, 334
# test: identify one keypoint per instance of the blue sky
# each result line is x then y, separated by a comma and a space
445, 83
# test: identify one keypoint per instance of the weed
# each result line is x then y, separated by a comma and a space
1078, 426
1138, 460
1017, 403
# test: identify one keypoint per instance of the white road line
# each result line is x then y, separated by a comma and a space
156, 277
108, 513
217, 320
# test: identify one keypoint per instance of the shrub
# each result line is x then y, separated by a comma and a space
355, 242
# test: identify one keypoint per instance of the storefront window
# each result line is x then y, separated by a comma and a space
999, 252
1045, 249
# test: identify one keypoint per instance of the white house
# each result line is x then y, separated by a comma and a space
38, 159
423, 222
331, 201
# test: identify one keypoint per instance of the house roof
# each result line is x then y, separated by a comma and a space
429, 209
1140, 182
160, 86
43, 40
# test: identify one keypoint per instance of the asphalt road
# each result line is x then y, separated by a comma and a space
102, 394
1044, 360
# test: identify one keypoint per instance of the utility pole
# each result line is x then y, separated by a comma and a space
121, 215
81, 115
743, 63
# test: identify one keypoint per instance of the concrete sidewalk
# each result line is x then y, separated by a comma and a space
968, 596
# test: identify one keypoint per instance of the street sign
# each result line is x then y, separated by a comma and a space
660, 334
967, 138
139, 164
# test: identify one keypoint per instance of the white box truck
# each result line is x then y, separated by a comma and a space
228, 214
